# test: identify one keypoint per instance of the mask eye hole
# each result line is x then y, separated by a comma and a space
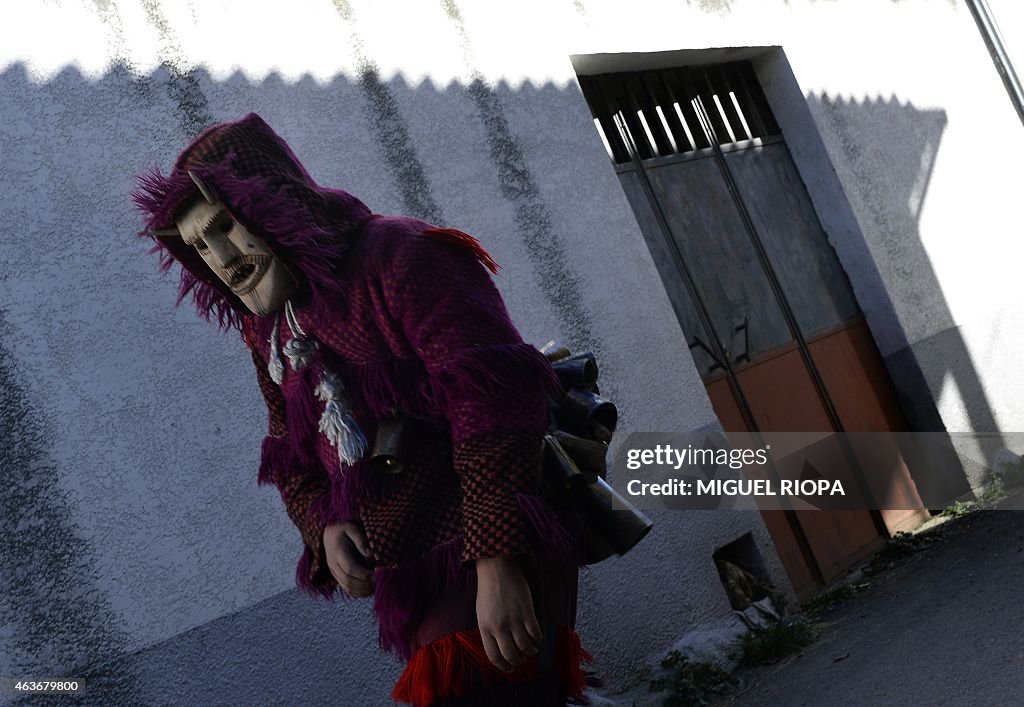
201, 246
225, 224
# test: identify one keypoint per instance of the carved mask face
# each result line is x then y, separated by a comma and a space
240, 259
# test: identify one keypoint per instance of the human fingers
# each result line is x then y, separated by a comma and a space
360, 590
336, 572
507, 645
346, 582
341, 555
356, 586
494, 652
357, 537
353, 578
526, 644
350, 561
356, 570
533, 628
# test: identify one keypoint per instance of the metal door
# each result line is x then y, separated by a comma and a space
770, 317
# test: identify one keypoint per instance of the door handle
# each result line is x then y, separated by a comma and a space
745, 328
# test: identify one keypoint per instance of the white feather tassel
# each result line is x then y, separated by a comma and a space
337, 423
275, 366
300, 349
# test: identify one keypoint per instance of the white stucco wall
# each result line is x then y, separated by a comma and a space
1008, 17
141, 537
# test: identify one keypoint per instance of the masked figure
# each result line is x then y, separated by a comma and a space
353, 318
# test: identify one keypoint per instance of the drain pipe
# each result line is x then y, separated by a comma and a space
990, 34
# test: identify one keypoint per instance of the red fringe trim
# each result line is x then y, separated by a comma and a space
464, 240
447, 667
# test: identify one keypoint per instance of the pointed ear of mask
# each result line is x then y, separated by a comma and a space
162, 233
203, 189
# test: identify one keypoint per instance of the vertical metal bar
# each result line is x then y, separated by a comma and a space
621, 102
671, 101
655, 86
594, 94
764, 111
682, 92
997, 50
716, 345
720, 86
697, 81
790, 317
750, 112
619, 154
640, 100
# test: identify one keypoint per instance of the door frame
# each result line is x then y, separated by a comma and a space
711, 127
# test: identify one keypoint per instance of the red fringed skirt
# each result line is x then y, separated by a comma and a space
449, 666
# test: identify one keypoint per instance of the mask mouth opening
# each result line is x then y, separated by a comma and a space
244, 273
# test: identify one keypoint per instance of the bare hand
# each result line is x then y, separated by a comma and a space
347, 551
504, 612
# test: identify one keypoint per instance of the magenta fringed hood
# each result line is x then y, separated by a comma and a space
265, 188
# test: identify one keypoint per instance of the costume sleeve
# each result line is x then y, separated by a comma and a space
304, 492
490, 385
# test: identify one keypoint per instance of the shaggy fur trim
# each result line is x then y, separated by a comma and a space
403, 593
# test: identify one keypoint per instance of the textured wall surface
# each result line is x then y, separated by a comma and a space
137, 546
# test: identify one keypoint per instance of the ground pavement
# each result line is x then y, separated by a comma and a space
942, 626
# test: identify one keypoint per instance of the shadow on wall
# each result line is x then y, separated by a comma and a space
903, 154
72, 147
51, 610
